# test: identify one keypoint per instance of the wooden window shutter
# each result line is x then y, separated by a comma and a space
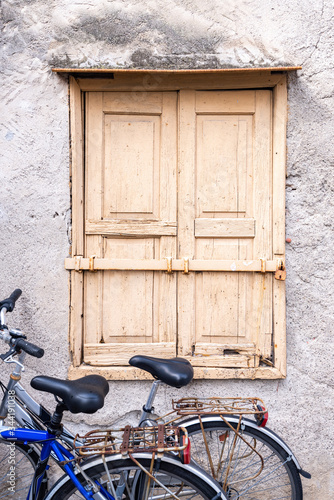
182, 230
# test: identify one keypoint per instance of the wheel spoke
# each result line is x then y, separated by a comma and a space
17, 471
258, 469
171, 482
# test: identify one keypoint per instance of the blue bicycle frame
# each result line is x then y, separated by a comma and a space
49, 445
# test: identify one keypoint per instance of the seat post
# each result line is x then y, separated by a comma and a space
54, 426
145, 420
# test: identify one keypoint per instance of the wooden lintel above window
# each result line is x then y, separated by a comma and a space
174, 71
148, 80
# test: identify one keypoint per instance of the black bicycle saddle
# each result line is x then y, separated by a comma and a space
176, 372
84, 395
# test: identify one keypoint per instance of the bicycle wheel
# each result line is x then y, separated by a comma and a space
237, 465
126, 481
17, 467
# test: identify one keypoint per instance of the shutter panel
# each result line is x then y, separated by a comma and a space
183, 228
225, 213
130, 214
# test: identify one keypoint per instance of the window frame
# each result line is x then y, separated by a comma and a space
136, 80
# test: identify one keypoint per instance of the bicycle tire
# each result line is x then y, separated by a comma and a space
18, 467
279, 478
187, 481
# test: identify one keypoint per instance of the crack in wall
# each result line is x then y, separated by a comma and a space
320, 34
307, 374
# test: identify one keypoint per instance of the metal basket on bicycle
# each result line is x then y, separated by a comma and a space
129, 440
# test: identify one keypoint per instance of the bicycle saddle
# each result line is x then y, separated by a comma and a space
175, 372
84, 395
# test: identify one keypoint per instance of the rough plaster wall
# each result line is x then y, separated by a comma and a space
35, 202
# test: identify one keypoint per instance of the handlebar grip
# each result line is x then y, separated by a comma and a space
29, 348
9, 303
15, 295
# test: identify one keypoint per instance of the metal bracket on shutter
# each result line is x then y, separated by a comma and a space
169, 265
263, 265
77, 263
280, 273
186, 265
91, 263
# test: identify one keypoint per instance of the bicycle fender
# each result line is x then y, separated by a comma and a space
250, 423
167, 458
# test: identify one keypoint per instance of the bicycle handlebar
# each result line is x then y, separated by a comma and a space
29, 348
9, 303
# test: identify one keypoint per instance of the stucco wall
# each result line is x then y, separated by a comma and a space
35, 203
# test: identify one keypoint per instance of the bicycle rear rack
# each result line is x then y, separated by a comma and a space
224, 407
220, 406
129, 440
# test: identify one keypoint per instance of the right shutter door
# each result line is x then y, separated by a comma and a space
225, 213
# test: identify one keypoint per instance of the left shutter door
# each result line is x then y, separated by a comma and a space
130, 212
